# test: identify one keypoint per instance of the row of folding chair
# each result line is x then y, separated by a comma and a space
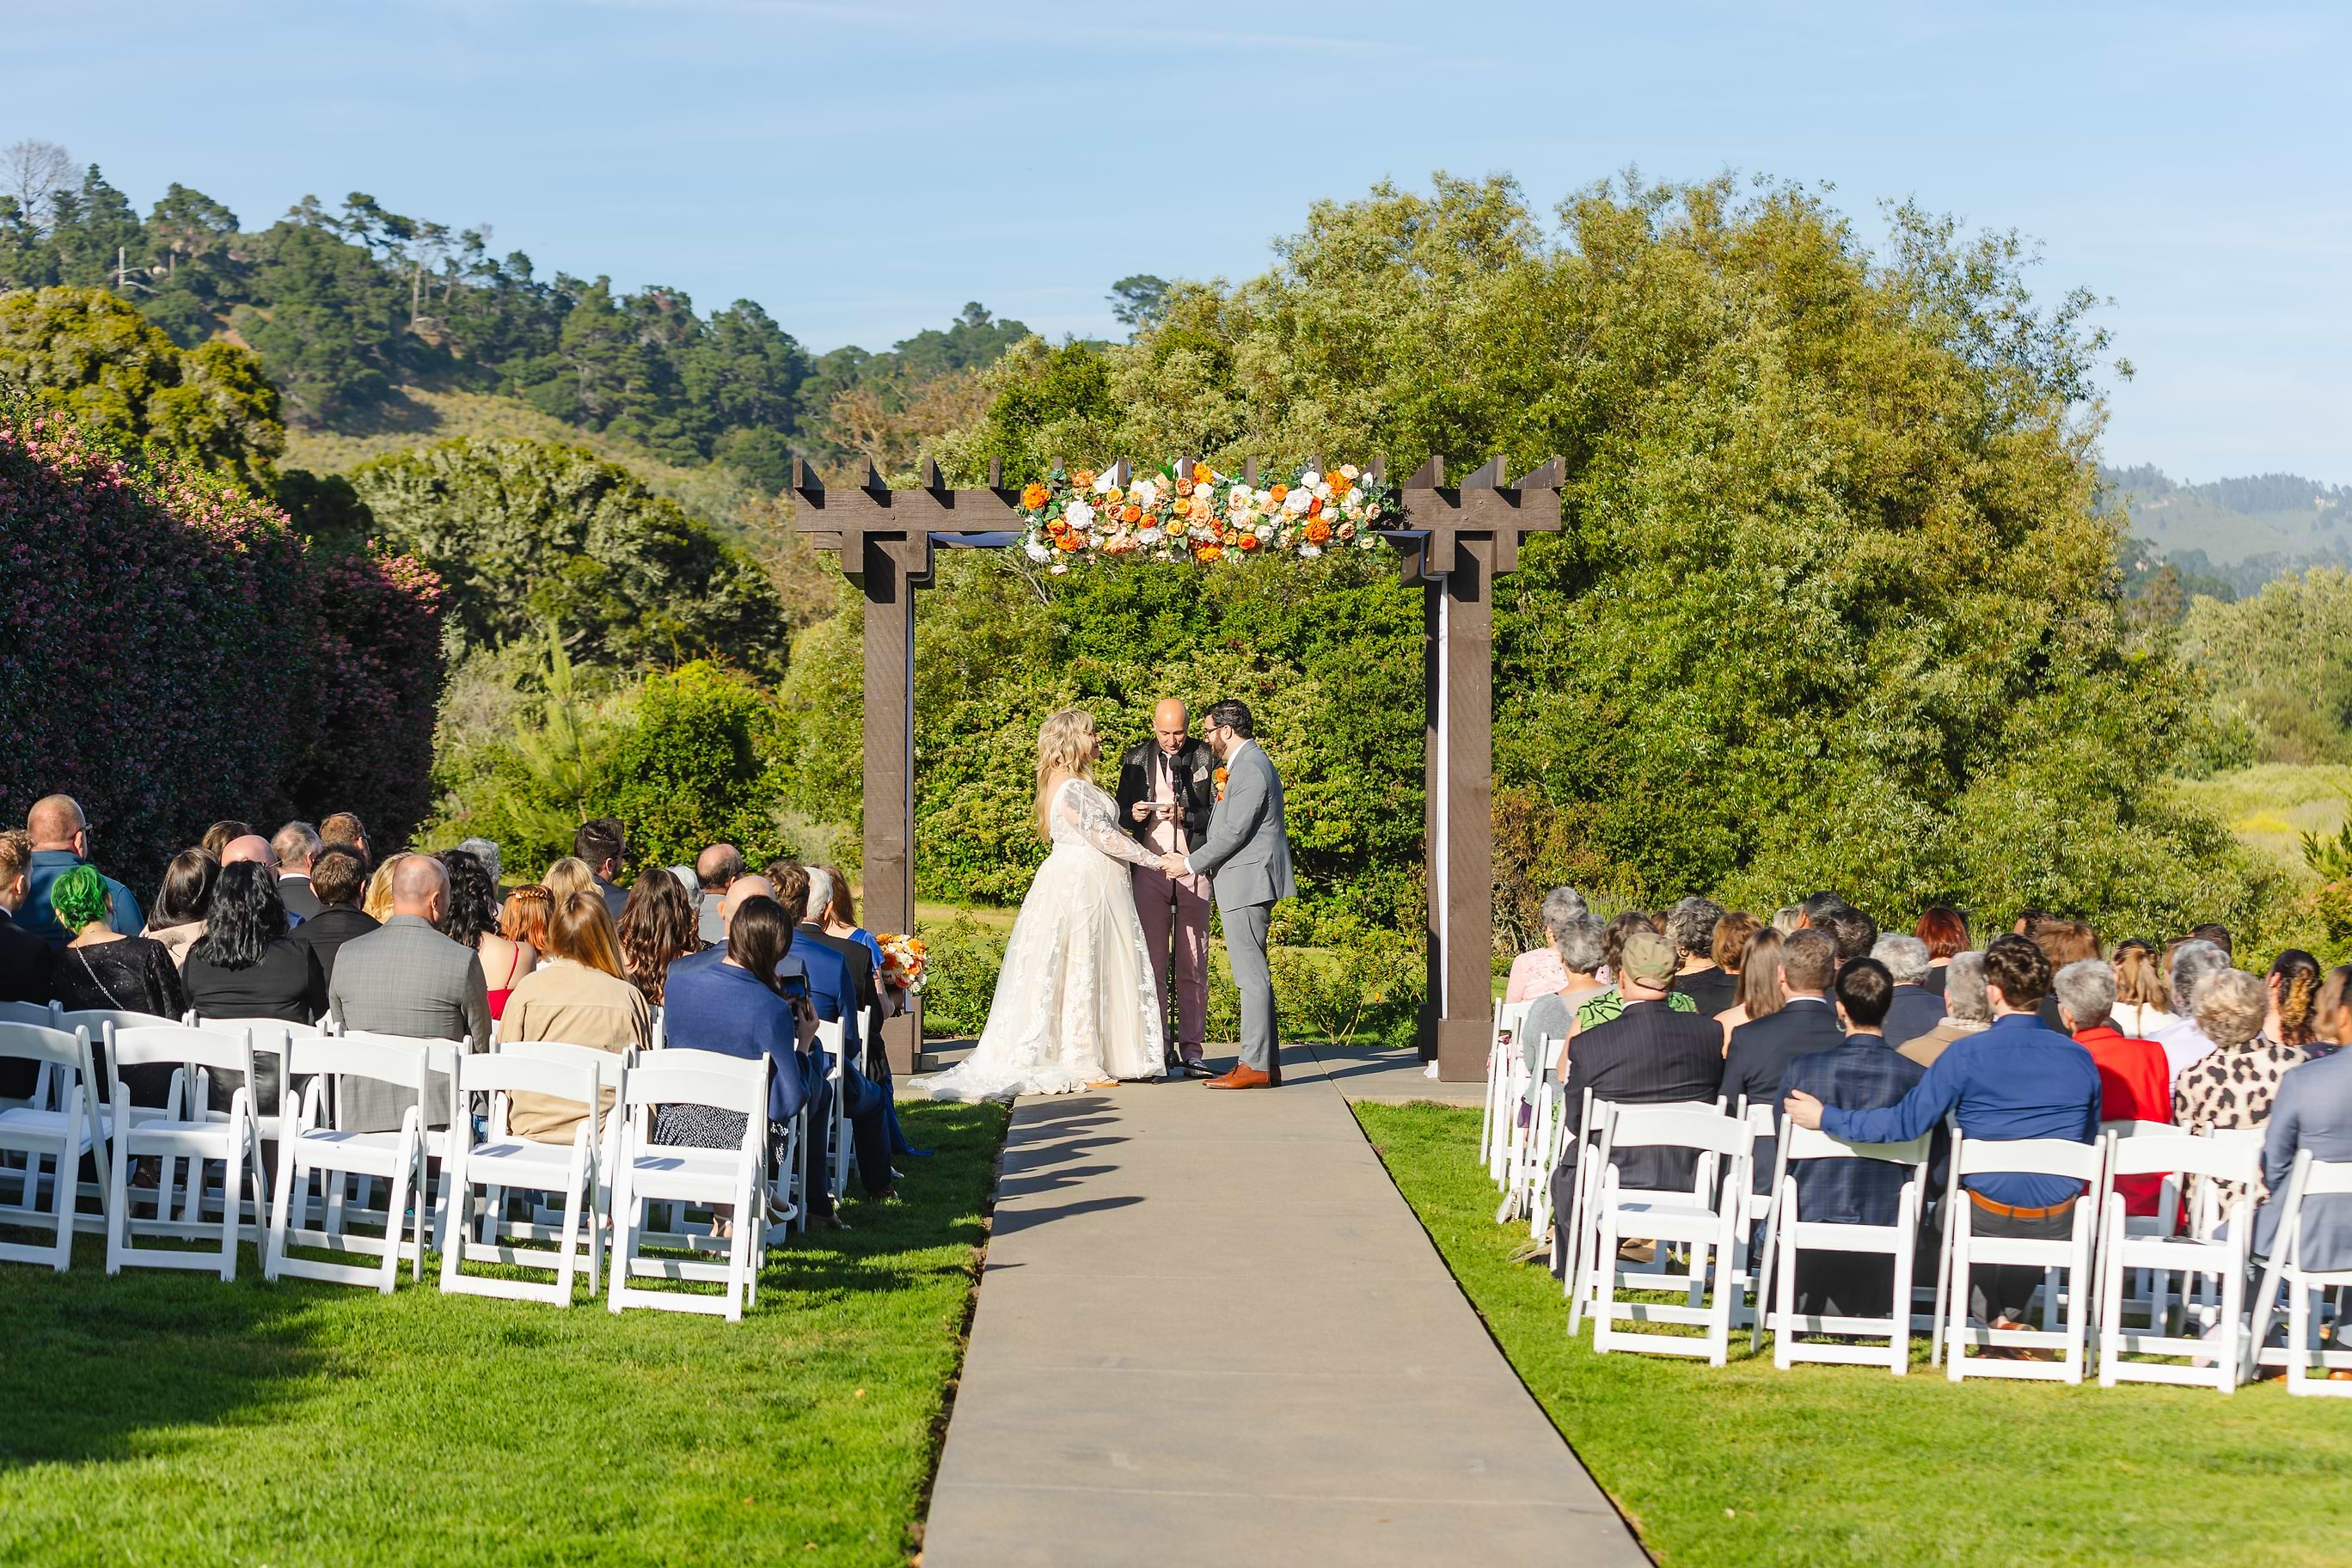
2107, 1282
1506, 1083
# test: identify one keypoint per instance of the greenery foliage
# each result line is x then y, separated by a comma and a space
2280, 663
177, 654
527, 533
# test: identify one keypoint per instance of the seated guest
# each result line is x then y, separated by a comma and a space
657, 926
2293, 985
2185, 1044
2062, 942
27, 967
1650, 1054
338, 877
1534, 972
1789, 917
1758, 992
181, 902
249, 964
2219, 935
1690, 926
524, 921
2015, 1079
1965, 1009
2234, 1085
1862, 1074
296, 846
407, 979
101, 968
342, 828
486, 850
577, 994
737, 1005
836, 922
715, 871
249, 848
837, 988
2132, 1085
1600, 1009
221, 834
1855, 933
375, 901
1762, 1049
1915, 1010
1576, 947
568, 875
604, 846
2312, 1111
2143, 992
1946, 931
60, 837
474, 918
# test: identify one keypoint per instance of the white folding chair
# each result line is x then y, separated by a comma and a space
843, 1154
61, 1130
1788, 1233
1504, 1077
1551, 1125
99, 1024
1582, 1275
505, 1162
308, 1146
439, 1098
607, 1065
2216, 1248
2306, 1328
192, 1132
1706, 1220
1964, 1249
1752, 1258
652, 1172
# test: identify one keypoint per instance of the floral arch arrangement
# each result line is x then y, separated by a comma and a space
1200, 515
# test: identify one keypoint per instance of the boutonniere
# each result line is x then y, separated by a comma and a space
1220, 776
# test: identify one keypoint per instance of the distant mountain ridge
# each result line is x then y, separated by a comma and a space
2243, 531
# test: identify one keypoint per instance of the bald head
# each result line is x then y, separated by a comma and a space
716, 867
420, 886
252, 846
54, 822
753, 887
1169, 723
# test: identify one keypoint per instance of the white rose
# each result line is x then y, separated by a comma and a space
1309, 552
1349, 471
1144, 494
1078, 514
1037, 551
1266, 498
1106, 482
1150, 536
1296, 502
1372, 511
1368, 540
1309, 479
1323, 493
1264, 532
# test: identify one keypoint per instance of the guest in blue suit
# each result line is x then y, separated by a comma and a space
832, 987
1864, 1074
2314, 1112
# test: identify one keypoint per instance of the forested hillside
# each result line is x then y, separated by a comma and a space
2231, 536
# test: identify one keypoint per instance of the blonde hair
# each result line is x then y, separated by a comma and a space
1061, 754
376, 902
568, 875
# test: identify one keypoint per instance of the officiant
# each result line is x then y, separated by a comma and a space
1167, 787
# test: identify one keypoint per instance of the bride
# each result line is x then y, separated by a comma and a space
1075, 1003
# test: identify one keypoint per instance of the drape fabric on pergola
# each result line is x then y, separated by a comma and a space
1452, 542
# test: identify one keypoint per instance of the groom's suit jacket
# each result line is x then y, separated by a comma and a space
1196, 768
1248, 848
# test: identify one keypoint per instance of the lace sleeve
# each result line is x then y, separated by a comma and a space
1094, 817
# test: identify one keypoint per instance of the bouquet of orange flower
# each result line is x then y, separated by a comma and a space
903, 960
1199, 514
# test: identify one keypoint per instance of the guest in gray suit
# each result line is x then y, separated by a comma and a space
2314, 1112
1916, 1010
1247, 856
409, 979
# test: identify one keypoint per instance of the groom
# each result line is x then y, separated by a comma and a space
1248, 855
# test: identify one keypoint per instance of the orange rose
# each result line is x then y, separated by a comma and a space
1132, 514
1057, 527
1083, 477
1279, 492
1181, 506
1340, 485
1317, 530
1203, 473
1207, 552
1071, 541
1219, 778
1248, 542
1113, 496
1036, 495
1315, 506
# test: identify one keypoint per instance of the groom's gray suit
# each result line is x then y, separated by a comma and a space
1248, 855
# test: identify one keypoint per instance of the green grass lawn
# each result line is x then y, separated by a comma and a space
172, 1419
1748, 1467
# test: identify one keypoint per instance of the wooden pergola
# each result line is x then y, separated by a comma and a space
1453, 542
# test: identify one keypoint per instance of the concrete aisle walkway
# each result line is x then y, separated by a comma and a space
1210, 1332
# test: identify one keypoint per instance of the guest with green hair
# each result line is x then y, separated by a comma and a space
102, 968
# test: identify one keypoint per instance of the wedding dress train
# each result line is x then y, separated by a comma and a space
1075, 1001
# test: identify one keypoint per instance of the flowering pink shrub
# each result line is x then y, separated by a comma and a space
171, 652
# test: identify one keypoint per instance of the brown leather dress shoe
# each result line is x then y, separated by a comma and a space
1242, 1078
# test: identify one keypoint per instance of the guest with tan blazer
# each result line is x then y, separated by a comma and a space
576, 996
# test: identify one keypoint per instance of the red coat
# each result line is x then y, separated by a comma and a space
2135, 1085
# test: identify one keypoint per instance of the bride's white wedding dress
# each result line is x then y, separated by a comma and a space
1075, 1001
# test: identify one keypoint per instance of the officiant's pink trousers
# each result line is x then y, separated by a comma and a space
1175, 912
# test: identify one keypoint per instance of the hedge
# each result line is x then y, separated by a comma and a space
175, 653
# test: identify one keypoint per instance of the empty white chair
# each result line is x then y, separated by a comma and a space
188, 1131
843, 1153
1505, 1078
438, 1101
1752, 1258
1787, 1232
306, 1146
1704, 1220
2216, 1249
664, 1173
2305, 1329
61, 1133
506, 1161
1963, 1251
607, 1065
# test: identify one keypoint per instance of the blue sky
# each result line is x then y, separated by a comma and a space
864, 169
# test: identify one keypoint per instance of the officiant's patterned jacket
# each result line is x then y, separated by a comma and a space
1196, 770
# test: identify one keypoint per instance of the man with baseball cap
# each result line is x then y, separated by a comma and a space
1648, 1055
